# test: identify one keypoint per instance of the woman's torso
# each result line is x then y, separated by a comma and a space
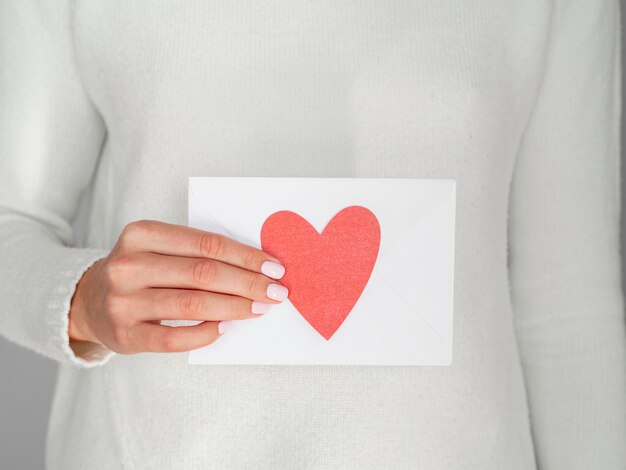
426, 89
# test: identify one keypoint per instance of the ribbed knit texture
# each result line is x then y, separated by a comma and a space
519, 102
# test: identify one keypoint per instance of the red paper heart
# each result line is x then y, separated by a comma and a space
325, 273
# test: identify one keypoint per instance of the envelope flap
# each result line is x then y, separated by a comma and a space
404, 207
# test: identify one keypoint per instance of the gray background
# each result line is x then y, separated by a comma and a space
27, 379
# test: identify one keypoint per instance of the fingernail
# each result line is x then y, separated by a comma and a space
277, 292
260, 307
272, 269
222, 326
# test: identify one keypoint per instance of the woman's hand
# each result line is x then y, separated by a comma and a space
159, 271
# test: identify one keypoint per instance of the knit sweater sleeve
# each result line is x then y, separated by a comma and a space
50, 139
564, 252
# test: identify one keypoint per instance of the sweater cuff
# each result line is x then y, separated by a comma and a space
82, 354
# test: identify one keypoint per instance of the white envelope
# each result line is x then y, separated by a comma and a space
404, 314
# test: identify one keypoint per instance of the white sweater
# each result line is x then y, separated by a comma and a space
518, 101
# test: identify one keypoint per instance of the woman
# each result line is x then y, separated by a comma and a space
519, 102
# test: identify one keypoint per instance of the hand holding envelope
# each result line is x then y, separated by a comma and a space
369, 263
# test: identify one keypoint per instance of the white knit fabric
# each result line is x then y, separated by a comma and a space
517, 101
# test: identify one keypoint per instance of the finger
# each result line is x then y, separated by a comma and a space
185, 304
178, 240
150, 337
153, 270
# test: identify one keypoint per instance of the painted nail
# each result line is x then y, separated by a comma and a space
260, 307
222, 326
272, 269
277, 292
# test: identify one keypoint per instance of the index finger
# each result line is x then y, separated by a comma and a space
178, 240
